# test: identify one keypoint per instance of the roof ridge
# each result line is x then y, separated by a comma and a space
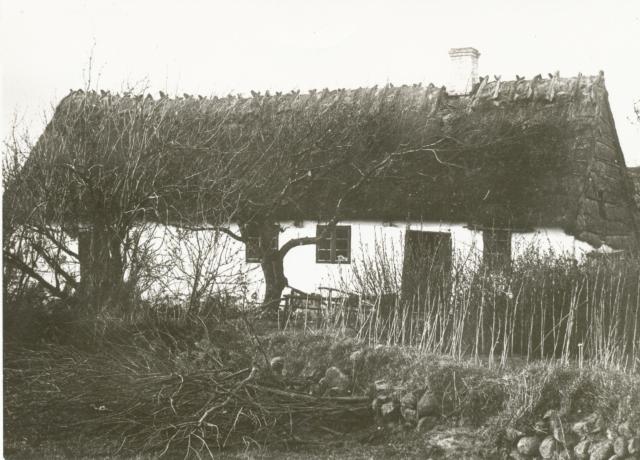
586, 80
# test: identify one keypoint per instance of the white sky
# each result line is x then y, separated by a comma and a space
214, 47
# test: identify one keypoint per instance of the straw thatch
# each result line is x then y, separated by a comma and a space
526, 153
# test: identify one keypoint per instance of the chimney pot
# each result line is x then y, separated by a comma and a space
464, 70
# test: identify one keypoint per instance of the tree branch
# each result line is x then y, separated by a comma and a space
224, 230
54, 265
294, 243
24, 268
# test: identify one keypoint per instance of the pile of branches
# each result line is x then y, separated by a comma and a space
144, 405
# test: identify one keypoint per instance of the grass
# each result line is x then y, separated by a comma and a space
542, 307
135, 394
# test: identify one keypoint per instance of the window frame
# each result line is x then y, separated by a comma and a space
255, 242
332, 238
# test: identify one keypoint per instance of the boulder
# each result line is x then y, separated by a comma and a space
633, 446
602, 450
592, 423
549, 447
335, 379
582, 449
428, 405
529, 445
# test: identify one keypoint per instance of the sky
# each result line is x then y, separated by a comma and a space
217, 48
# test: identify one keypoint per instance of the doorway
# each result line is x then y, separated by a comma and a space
426, 268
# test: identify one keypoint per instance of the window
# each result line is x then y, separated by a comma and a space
335, 245
254, 244
497, 248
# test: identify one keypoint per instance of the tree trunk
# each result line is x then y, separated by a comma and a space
101, 267
275, 281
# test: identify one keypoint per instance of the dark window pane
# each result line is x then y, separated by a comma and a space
343, 231
342, 245
254, 245
252, 249
335, 244
324, 244
323, 256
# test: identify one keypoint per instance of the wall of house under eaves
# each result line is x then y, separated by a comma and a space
377, 255
375, 247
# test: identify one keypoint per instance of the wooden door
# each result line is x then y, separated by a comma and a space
427, 264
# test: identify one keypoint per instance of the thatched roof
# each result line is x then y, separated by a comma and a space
634, 173
526, 153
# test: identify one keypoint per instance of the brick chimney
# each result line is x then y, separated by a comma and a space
464, 70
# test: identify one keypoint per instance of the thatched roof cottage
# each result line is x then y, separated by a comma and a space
487, 164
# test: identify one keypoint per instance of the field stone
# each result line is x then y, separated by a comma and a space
633, 446
334, 378
389, 411
428, 404
620, 446
410, 415
602, 450
529, 445
590, 424
426, 423
548, 447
